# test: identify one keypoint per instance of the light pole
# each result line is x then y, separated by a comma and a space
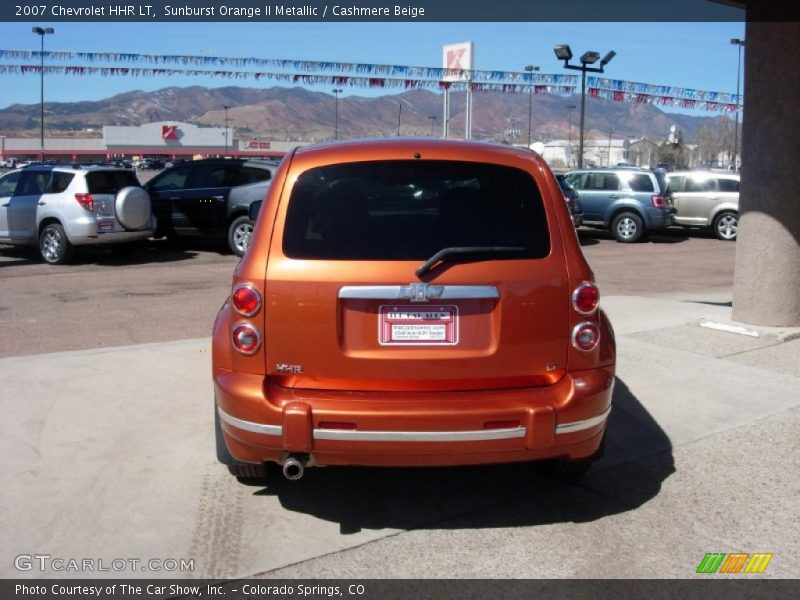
530, 69
563, 52
336, 92
432, 118
570, 108
225, 133
41, 32
739, 43
610, 133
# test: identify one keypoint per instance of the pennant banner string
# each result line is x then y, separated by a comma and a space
375, 75
350, 80
297, 65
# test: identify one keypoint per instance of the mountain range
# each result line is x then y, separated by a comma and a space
300, 114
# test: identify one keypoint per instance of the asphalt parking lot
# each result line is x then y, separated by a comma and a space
172, 291
108, 438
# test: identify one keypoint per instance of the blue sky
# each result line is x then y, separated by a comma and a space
693, 55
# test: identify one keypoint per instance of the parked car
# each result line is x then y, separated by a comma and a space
150, 164
9, 163
210, 198
410, 303
629, 202
60, 207
571, 197
706, 199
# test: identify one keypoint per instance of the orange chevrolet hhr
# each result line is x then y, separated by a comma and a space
411, 303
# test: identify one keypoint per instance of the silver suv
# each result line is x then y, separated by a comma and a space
60, 207
706, 199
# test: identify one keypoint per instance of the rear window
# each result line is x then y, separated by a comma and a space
59, 182
252, 175
409, 210
662, 181
110, 182
641, 182
728, 185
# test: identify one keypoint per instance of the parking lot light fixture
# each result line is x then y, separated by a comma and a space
530, 69
563, 52
740, 44
41, 32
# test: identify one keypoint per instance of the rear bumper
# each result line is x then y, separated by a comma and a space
657, 218
89, 230
262, 422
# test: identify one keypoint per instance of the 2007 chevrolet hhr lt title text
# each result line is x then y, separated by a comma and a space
411, 303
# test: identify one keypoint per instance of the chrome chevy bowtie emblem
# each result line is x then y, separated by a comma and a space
421, 292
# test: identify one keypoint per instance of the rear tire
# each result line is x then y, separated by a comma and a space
570, 470
627, 227
726, 226
244, 472
54, 245
240, 232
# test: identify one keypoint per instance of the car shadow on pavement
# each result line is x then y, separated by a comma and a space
637, 460
111, 255
17, 256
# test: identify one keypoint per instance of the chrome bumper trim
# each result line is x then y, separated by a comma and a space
581, 425
249, 425
346, 435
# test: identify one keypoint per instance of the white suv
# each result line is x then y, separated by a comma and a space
706, 199
59, 207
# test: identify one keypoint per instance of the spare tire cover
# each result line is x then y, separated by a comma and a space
132, 207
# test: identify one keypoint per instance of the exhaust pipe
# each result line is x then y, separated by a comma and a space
293, 468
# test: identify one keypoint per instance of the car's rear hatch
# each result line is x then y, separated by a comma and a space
103, 185
347, 308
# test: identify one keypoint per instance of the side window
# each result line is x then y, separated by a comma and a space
641, 182
174, 180
216, 177
9, 183
577, 180
675, 184
252, 175
728, 185
694, 184
59, 182
33, 183
602, 182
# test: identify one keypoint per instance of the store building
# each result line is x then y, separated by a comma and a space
164, 139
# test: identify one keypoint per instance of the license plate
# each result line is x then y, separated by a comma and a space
105, 226
401, 325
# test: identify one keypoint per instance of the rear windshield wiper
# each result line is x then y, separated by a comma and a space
461, 251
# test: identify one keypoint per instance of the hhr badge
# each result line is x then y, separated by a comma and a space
289, 369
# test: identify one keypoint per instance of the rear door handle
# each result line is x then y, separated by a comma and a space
614, 196
42, 203
6, 204
219, 198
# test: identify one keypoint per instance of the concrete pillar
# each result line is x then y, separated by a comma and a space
766, 287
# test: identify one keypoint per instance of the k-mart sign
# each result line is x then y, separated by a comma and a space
458, 57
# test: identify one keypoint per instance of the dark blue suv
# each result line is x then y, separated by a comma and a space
629, 202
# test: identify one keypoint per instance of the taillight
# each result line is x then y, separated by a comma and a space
585, 298
585, 336
658, 201
86, 201
246, 339
246, 300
